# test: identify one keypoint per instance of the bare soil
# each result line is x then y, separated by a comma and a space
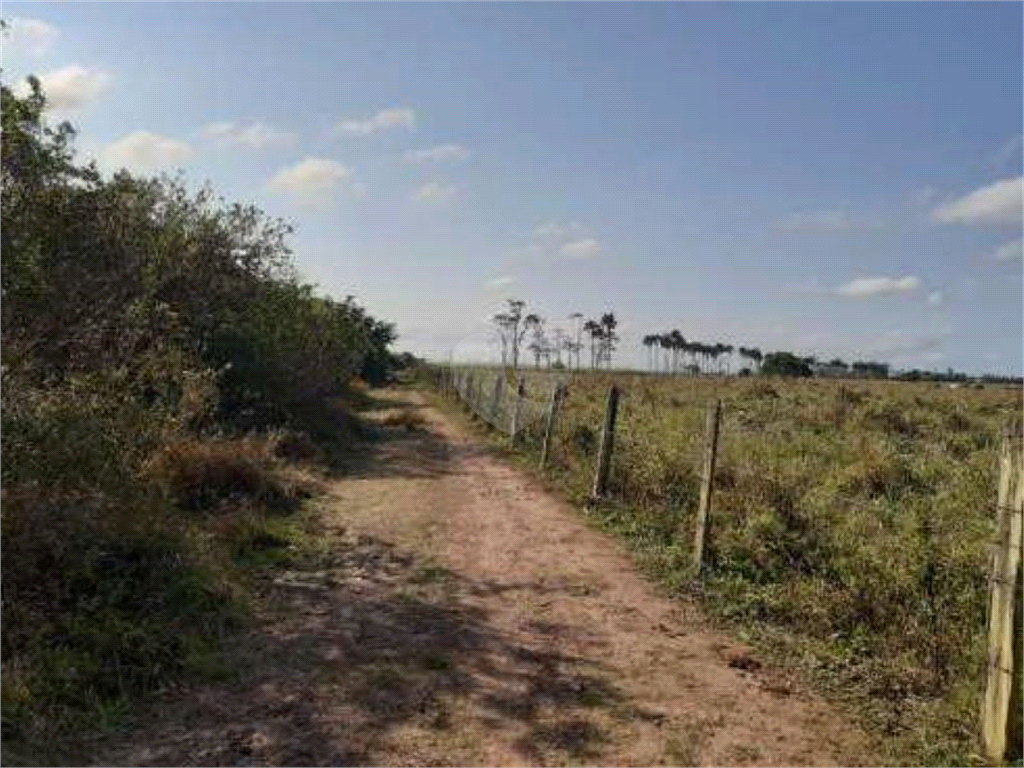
460, 615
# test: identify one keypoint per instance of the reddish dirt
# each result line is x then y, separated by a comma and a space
460, 615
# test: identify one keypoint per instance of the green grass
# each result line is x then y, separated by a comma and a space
849, 533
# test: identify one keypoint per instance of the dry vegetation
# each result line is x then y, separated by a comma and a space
850, 529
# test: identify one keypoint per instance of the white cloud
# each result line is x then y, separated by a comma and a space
998, 203
935, 298
70, 88
255, 136
501, 282
32, 36
569, 240
556, 231
586, 248
440, 153
396, 117
434, 192
813, 221
1011, 251
864, 287
313, 179
145, 151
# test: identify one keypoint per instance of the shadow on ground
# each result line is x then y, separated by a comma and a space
359, 644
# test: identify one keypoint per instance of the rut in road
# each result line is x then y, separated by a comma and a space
463, 616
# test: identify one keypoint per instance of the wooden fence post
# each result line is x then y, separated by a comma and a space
1001, 709
517, 411
499, 382
707, 484
557, 395
604, 457
468, 397
474, 400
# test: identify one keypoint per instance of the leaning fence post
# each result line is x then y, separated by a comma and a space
604, 457
1001, 709
517, 411
468, 397
496, 397
557, 395
707, 484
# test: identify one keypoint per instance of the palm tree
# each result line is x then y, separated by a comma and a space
608, 337
578, 345
593, 328
727, 349
756, 356
665, 342
649, 341
678, 342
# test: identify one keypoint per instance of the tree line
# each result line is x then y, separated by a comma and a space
516, 330
519, 331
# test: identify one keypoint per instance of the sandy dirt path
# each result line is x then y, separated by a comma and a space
460, 615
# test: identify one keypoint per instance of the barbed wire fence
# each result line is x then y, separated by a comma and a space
533, 413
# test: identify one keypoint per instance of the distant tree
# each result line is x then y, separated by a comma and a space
558, 340
677, 343
755, 354
577, 345
607, 339
665, 342
539, 343
650, 341
785, 364
512, 328
593, 329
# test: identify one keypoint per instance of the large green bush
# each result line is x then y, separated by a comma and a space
144, 331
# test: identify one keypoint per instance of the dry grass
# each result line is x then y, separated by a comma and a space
201, 475
412, 421
849, 534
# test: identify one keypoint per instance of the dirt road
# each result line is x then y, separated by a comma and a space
462, 616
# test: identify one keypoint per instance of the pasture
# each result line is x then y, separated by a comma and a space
850, 530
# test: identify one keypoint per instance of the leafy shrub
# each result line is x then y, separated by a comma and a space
143, 329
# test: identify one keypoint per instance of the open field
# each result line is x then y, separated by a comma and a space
850, 529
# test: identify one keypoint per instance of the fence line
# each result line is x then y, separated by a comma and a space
1001, 727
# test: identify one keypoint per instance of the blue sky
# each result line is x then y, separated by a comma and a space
839, 179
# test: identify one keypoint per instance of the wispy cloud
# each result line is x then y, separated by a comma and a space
386, 119
254, 136
866, 287
145, 151
312, 180
1011, 251
434, 192
813, 221
585, 248
998, 204
32, 36
568, 239
440, 153
70, 88
557, 230
935, 299
501, 282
